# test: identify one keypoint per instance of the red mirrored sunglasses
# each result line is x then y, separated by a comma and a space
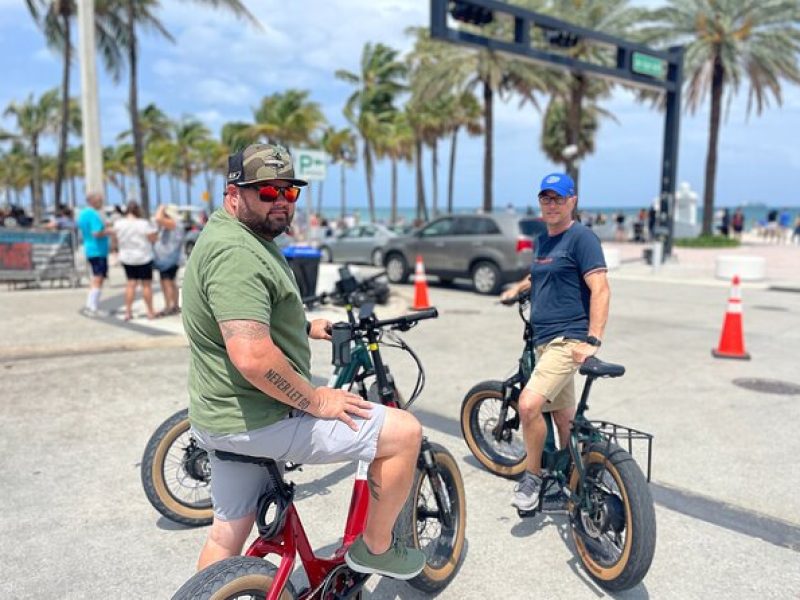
270, 193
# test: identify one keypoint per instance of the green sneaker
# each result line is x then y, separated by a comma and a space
398, 561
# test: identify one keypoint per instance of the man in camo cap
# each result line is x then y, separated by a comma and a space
250, 388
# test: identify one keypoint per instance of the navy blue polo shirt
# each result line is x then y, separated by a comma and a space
559, 295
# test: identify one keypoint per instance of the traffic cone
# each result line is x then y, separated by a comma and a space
731, 341
420, 287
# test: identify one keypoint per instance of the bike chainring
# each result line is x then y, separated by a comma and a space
342, 583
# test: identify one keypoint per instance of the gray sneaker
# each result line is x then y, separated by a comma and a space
526, 492
398, 561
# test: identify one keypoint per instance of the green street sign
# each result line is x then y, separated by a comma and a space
644, 64
310, 164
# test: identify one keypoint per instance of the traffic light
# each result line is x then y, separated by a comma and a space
562, 39
467, 12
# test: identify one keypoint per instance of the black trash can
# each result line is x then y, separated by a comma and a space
304, 261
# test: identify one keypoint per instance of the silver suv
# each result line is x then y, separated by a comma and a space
488, 249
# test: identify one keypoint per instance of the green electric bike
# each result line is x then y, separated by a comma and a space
597, 482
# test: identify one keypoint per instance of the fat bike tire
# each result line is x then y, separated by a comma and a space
420, 526
616, 540
164, 464
234, 578
506, 457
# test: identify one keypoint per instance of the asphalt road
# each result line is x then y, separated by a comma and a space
76, 523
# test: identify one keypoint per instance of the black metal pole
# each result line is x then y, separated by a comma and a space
669, 165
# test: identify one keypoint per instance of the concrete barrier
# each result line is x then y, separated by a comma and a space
748, 268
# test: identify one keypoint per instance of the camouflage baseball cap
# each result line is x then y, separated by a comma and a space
261, 162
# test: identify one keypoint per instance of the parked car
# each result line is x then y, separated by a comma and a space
491, 250
359, 244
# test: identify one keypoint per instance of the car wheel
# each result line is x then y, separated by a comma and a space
377, 257
325, 254
486, 278
396, 268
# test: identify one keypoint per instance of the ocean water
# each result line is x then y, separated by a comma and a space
753, 214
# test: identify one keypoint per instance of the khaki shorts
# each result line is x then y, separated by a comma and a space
553, 375
300, 438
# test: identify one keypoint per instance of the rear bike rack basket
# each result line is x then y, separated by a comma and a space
628, 438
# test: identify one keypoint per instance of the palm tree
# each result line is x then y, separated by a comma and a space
119, 163
237, 135
288, 119
556, 130
16, 170
141, 13
34, 118
341, 147
443, 68
155, 126
465, 113
189, 134
397, 144
378, 83
614, 17
728, 41
212, 157
54, 17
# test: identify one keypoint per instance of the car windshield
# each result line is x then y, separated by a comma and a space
532, 227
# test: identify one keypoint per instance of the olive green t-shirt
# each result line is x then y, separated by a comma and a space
235, 275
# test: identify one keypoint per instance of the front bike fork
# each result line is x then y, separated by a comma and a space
426, 462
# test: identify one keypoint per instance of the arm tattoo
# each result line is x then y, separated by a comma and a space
373, 486
299, 399
250, 330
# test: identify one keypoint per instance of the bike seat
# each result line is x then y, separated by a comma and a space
253, 460
594, 367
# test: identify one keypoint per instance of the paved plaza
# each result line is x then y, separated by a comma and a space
80, 398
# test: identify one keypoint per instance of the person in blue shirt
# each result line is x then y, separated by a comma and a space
95, 245
569, 309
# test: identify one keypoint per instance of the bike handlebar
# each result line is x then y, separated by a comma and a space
521, 297
406, 321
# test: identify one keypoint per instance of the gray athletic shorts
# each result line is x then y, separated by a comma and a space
299, 438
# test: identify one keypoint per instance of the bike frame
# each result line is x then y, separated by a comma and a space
556, 461
291, 541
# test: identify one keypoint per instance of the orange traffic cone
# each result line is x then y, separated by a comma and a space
731, 341
420, 287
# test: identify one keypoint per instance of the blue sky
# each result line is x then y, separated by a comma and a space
219, 69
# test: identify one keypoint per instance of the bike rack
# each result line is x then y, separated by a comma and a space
624, 436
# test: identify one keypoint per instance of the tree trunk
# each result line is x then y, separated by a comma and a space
138, 146
488, 125
574, 114
157, 177
421, 208
343, 190
73, 194
435, 177
717, 85
189, 188
36, 189
451, 176
368, 169
393, 217
62, 142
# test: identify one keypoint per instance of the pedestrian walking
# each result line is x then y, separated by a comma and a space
737, 222
134, 239
167, 255
95, 246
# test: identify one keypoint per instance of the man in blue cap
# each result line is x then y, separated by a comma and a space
569, 309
